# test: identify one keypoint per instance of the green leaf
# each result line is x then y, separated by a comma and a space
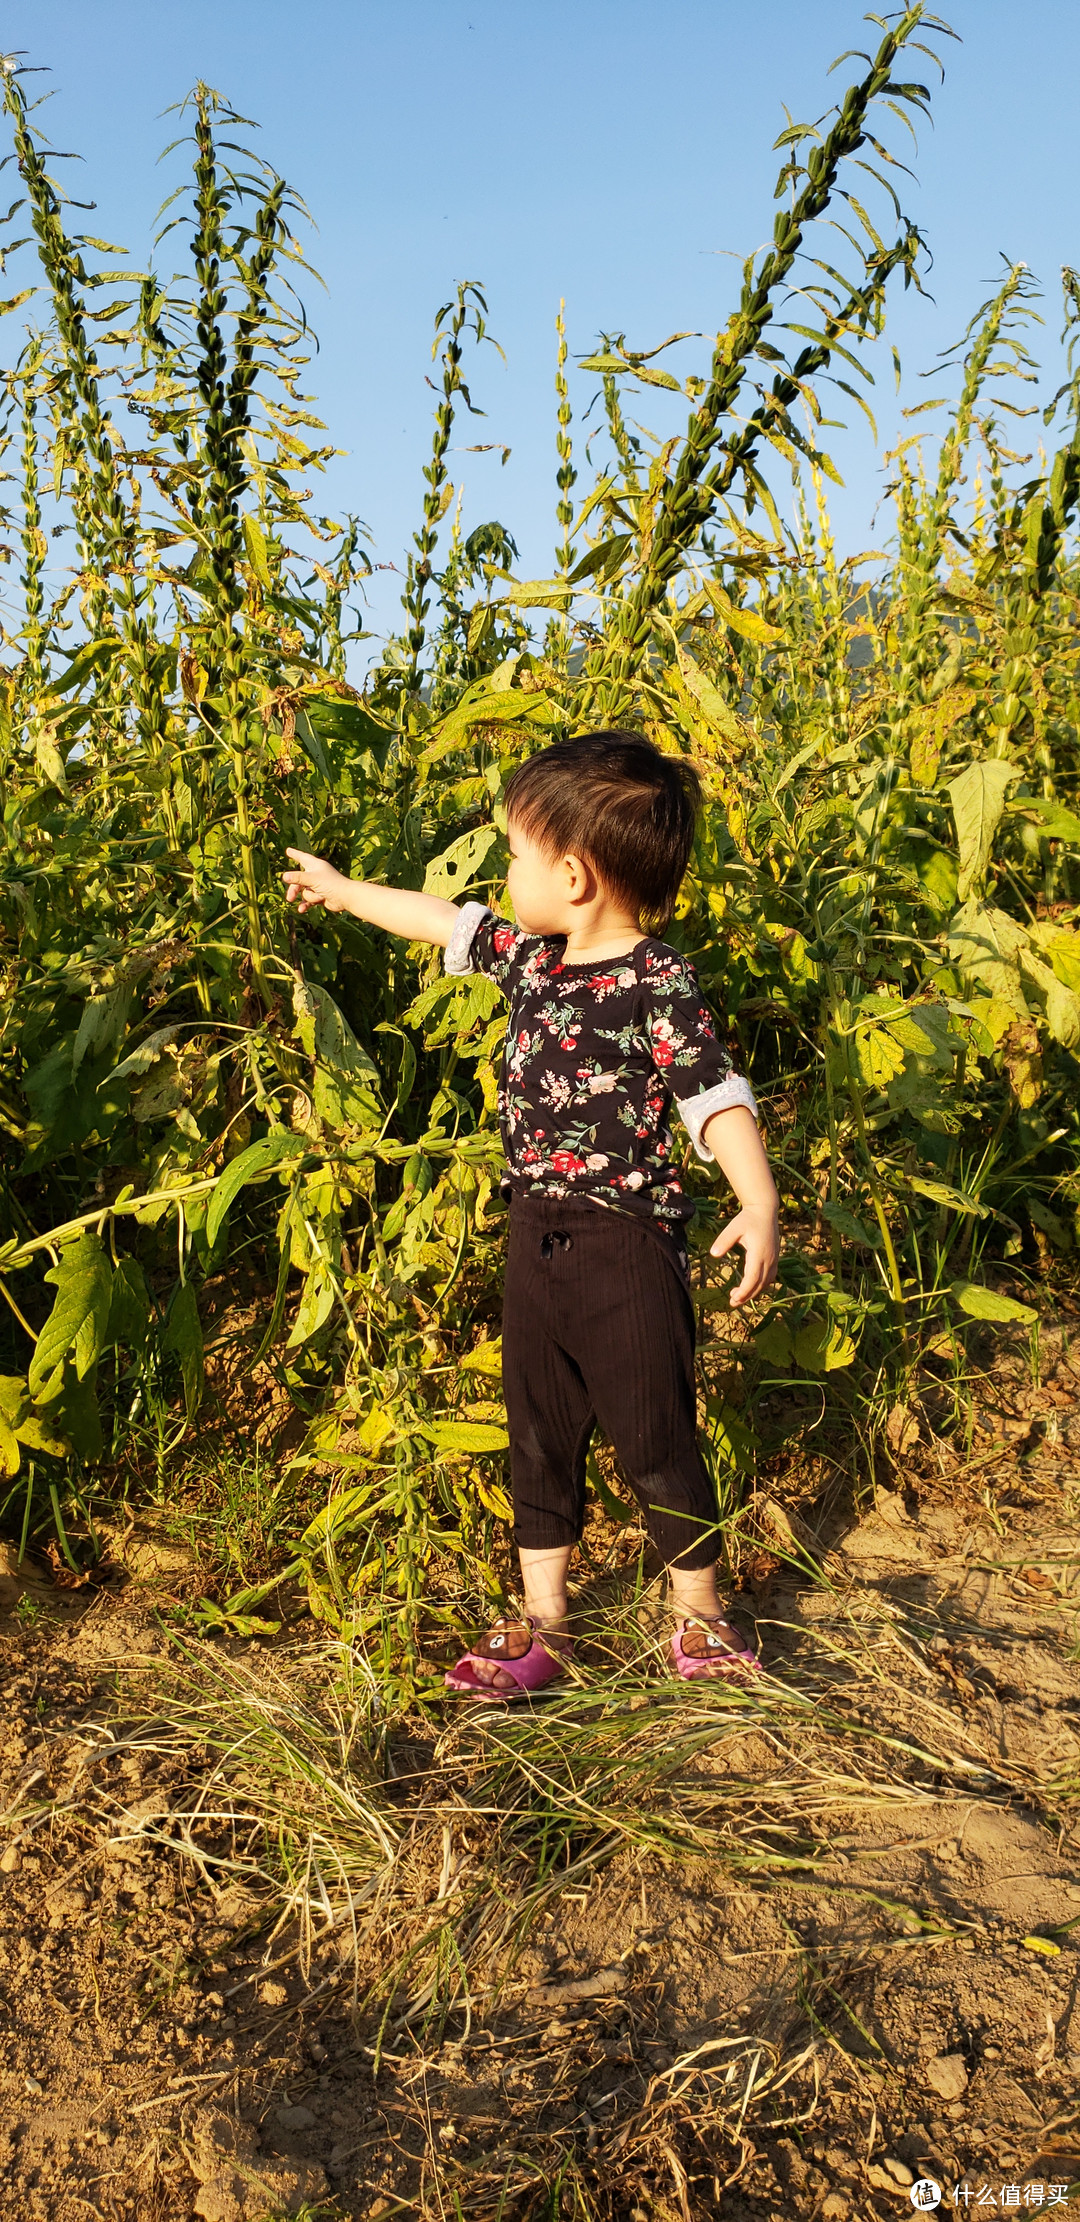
77, 1325
449, 874
1049, 1223
985, 1303
102, 1023
715, 710
317, 1298
939, 1192
129, 1307
773, 1342
977, 795
96, 656
529, 594
73, 1411
253, 1164
601, 561
255, 544
183, 1336
847, 1224
465, 1435
327, 1036
487, 704
350, 723
342, 1516
215, 1618
986, 943
49, 760
1057, 823
140, 1060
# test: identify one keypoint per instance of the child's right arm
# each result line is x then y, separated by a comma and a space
398, 910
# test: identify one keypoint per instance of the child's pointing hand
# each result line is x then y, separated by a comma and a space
315, 881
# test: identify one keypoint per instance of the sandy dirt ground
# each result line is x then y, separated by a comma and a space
894, 2000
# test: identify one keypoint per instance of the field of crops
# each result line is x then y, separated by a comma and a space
250, 1223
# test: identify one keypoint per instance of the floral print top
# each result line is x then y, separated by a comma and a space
594, 1055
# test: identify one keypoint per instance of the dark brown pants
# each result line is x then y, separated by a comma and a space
598, 1325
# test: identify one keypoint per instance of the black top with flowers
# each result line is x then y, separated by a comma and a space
594, 1055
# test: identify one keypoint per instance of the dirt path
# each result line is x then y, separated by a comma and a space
865, 1973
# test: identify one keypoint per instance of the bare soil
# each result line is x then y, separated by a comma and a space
895, 1999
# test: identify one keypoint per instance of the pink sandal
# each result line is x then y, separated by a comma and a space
713, 1653
535, 1667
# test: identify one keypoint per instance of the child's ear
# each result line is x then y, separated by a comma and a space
579, 878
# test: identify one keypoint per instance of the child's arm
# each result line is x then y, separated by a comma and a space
399, 910
733, 1138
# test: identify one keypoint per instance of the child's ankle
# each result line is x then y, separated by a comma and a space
549, 1614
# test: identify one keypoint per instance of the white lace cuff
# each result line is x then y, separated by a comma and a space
457, 956
696, 1111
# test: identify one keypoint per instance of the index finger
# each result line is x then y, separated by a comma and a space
302, 856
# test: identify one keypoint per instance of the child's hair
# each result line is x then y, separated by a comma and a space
615, 801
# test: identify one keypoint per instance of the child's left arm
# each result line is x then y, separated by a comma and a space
733, 1138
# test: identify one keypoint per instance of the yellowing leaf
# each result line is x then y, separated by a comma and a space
9, 1449
929, 727
823, 1346
747, 622
494, 1499
716, 712
995, 1018
376, 1428
1021, 1055
880, 1057
486, 1357
473, 1436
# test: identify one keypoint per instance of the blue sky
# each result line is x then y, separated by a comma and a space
615, 152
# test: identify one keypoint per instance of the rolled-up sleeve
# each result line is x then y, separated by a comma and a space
483, 942
458, 954
696, 1111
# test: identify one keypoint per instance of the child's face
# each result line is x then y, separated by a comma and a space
541, 891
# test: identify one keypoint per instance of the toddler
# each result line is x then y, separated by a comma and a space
606, 1026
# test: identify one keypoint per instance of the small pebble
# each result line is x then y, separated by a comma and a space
273, 1994
31, 2084
947, 2075
294, 2117
10, 1860
898, 2170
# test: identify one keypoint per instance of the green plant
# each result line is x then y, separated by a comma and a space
204, 1095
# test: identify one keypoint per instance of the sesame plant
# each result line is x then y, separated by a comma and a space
235, 1136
